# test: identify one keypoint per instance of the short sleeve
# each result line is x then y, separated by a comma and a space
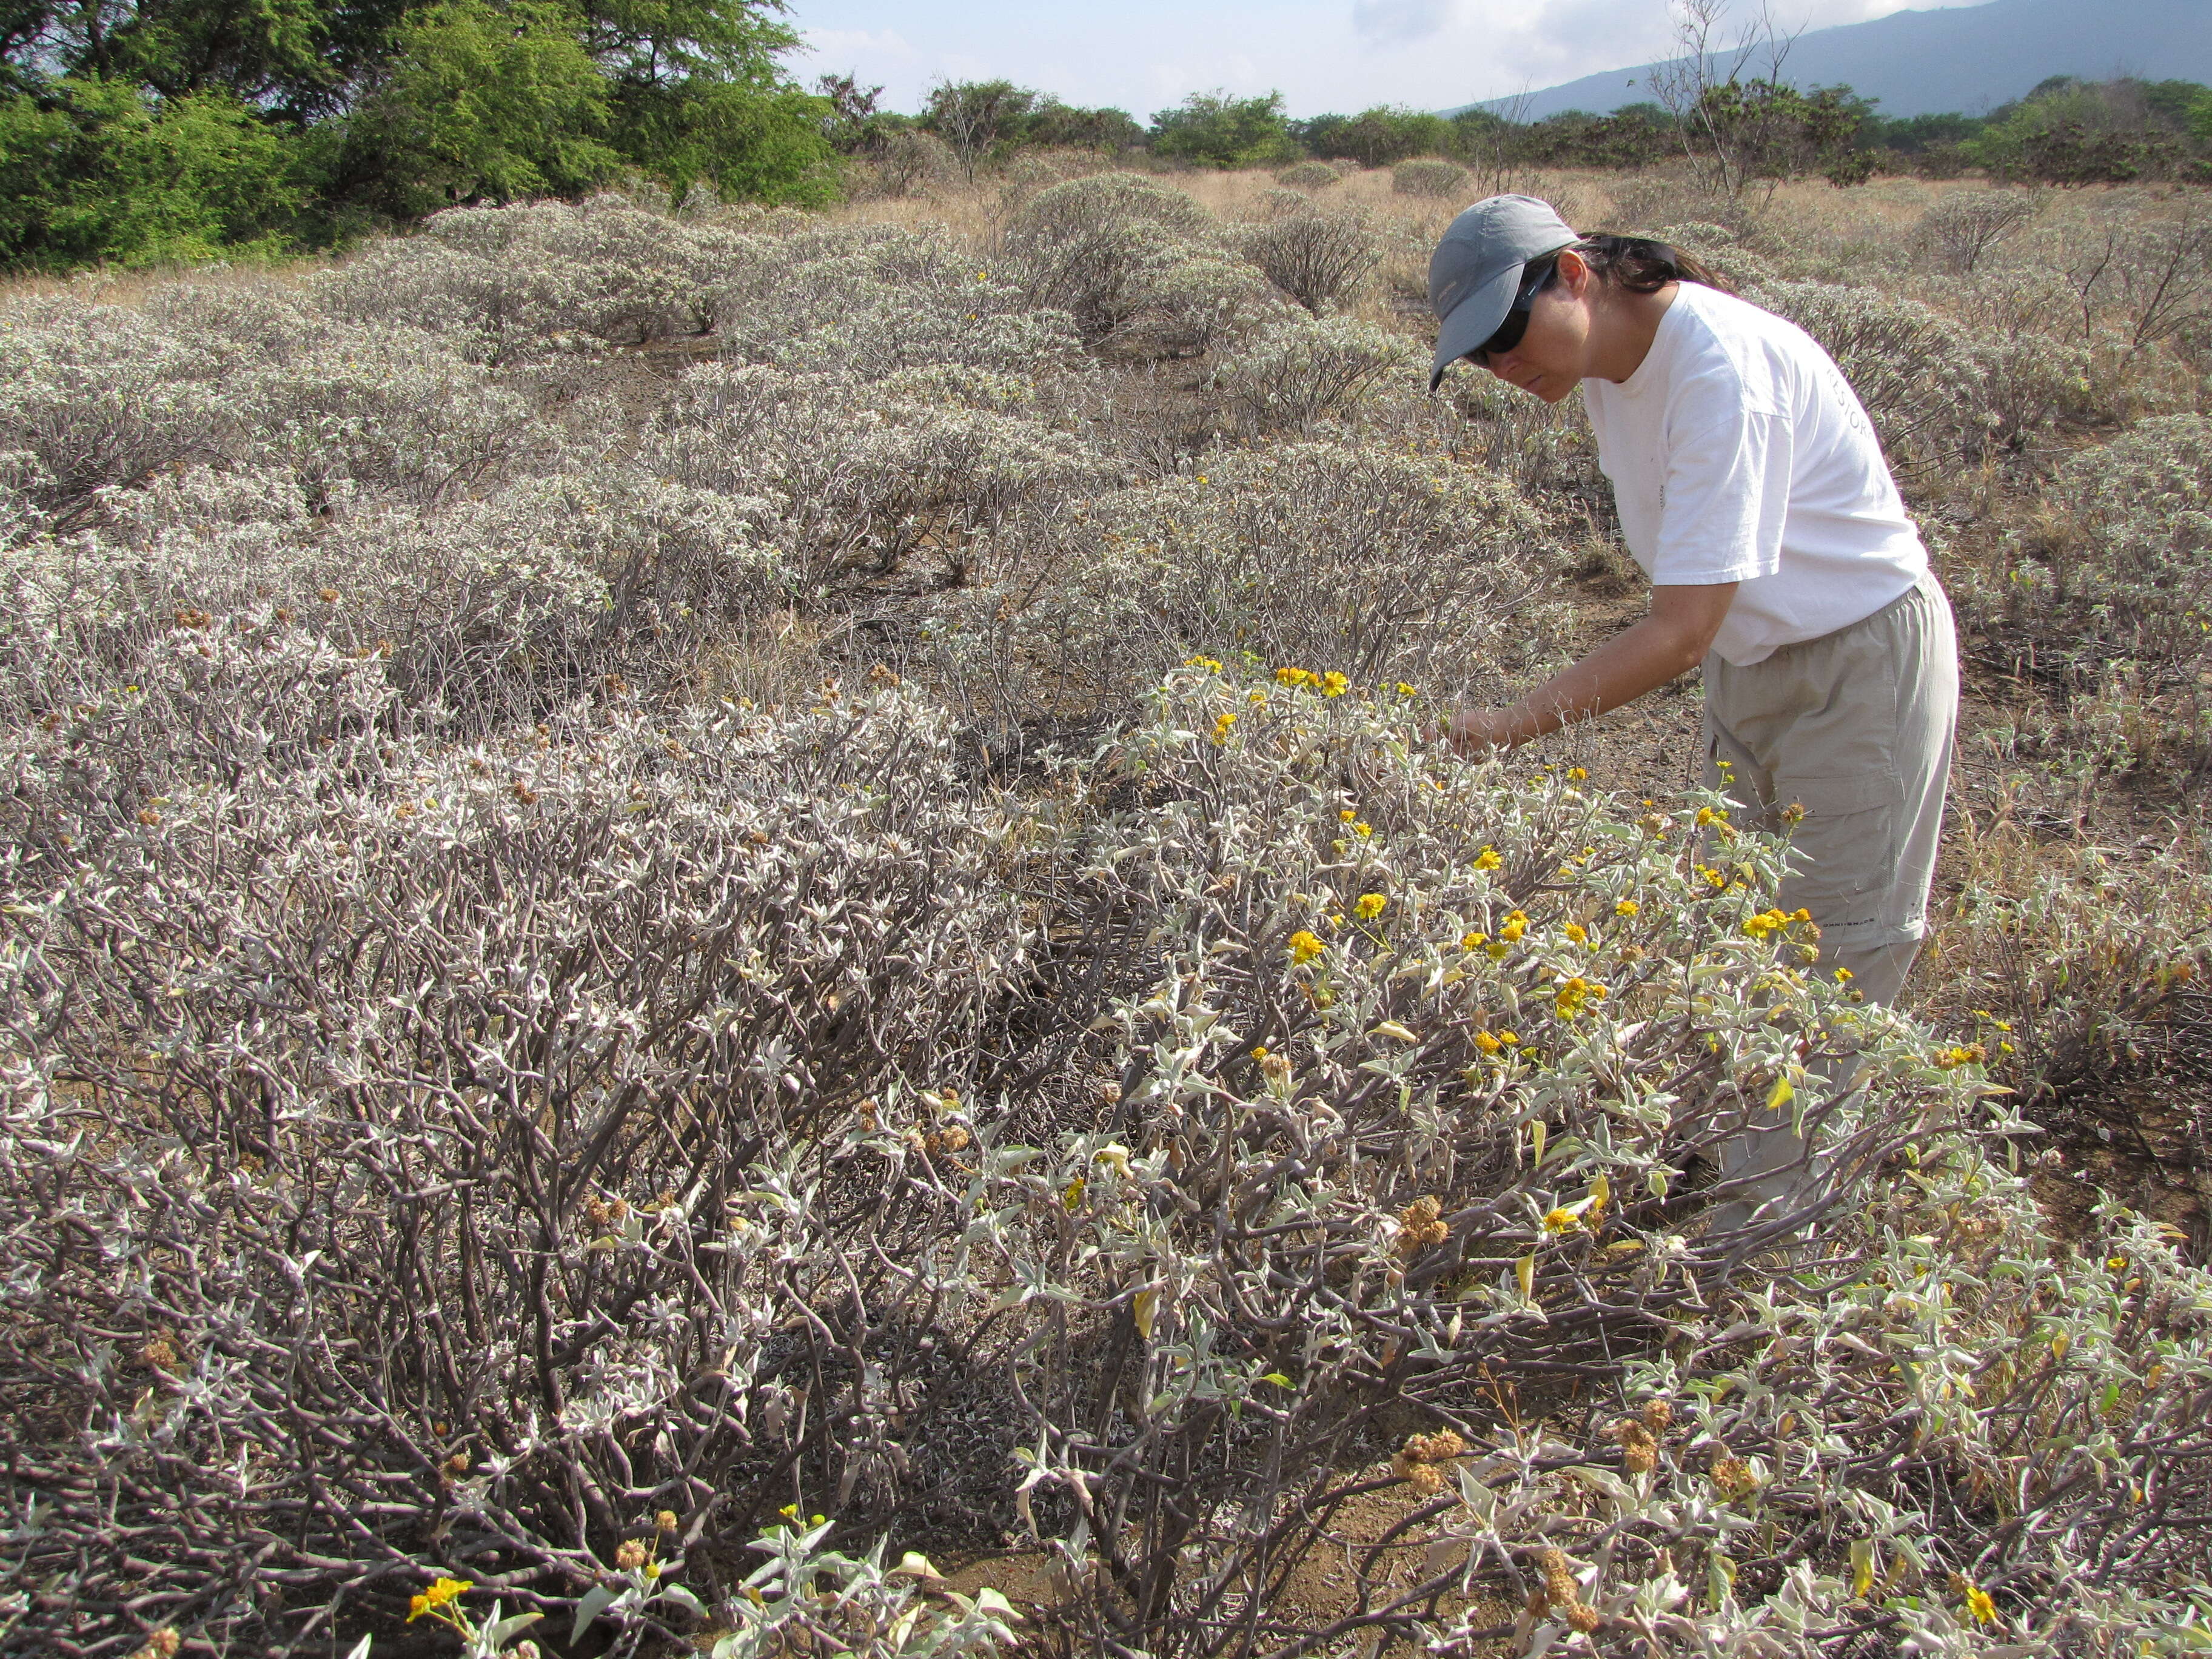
1727, 490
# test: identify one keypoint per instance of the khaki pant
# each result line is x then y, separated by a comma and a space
1855, 727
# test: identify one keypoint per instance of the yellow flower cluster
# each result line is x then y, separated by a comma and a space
1576, 994
1516, 924
1304, 947
1221, 725
1950, 1060
1773, 922
1491, 1043
1487, 859
431, 1600
1331, 684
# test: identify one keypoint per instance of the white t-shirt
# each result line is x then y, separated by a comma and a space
1739, 453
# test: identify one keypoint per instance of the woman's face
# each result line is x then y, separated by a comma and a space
1554, 354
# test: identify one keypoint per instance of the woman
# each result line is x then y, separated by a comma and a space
1754, 493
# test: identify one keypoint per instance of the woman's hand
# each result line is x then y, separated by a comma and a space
1475, 732
1673, 638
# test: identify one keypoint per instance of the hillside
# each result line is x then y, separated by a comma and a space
1967, 57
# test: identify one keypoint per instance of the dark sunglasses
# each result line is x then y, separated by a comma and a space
1536, 275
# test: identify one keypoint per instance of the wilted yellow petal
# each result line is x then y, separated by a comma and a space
1862, 1565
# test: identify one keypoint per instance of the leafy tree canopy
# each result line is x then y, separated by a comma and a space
142, 129
1212, 129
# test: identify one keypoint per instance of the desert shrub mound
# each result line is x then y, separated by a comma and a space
1431, 177
640, 982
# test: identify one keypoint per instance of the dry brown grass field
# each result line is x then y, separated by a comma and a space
729, 930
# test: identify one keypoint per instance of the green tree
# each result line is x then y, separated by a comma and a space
1067, 126
91, 170
484, 102
1376, 137
755, 143
1212, 129
979, 119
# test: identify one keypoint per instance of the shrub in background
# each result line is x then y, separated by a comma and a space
1307, 175
1430, 176
1317, 255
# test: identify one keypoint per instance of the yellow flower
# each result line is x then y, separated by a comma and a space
1626, 908
1294, 676
1468, 941
1333, 685
1508, 1039
1362, 830
445, 1590
1405, 690
1844, 976
1577, 773
1221, 725
1304, 947
1487, 859
1980, 1605
1346, 815
1516, 923
1370, 906
1561, 1221
1487, 1043
1574, 931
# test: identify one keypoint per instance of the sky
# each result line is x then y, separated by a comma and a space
1322, 55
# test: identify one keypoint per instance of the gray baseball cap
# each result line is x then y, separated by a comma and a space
1477, 266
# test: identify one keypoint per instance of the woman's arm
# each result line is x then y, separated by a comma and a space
1675, 637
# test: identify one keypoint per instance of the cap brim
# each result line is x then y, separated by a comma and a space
1475, 320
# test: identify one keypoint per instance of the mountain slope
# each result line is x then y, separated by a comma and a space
1967, 59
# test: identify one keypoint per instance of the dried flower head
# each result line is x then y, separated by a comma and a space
1639, 1452
1421, 1225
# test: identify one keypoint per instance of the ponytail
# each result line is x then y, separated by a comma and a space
1642, 266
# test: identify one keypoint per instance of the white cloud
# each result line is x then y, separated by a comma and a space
1397, 22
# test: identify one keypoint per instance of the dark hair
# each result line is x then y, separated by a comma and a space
1642, 265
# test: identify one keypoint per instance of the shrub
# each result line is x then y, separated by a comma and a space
1429, 177
1394, 567
1318, 257
1307, 175
2133, 587
514, 277
1915, 371
491, 1118
1965, 225
1102, 249
872, 300
1298, 372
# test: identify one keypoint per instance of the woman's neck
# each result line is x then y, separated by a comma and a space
1625, 325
